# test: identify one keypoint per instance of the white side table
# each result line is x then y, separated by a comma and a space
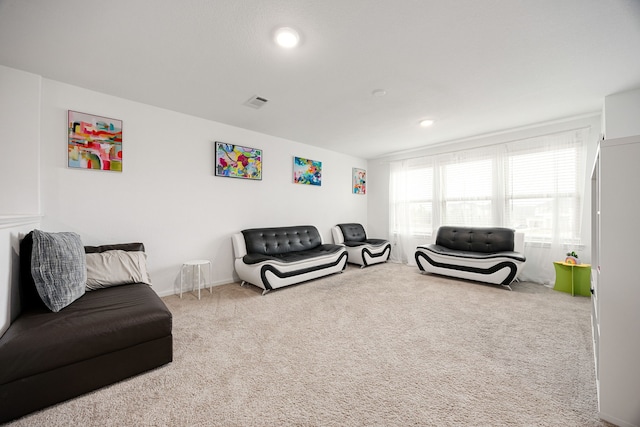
196, 265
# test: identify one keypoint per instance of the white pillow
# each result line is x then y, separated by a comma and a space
116, 267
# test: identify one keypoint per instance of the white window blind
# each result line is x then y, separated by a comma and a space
467, 193
412, 187
420, 199
533, 185
543, 192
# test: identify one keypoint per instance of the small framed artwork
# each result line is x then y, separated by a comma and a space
95, 142
236, 161
307, 171
359, 181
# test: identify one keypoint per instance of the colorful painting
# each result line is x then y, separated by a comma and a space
359, 181
94, 142
236, 161
307, 171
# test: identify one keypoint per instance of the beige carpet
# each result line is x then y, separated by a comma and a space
383, 346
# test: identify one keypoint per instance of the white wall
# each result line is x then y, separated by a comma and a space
19, 177
622, 114
19, 142
167, 195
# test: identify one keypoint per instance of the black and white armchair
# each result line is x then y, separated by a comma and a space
360, 250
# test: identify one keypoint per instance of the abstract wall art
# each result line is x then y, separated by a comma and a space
95, 142
307, 171
236, 161
359, 181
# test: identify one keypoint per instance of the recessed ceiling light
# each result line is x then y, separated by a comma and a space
426, 123
287, 37
379, 92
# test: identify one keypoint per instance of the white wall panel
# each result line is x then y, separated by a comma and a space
621, 111
19, 142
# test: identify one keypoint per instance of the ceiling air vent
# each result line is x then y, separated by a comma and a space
256, 102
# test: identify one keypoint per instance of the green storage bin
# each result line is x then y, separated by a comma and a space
581, 274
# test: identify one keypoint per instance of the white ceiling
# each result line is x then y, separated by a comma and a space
474, 66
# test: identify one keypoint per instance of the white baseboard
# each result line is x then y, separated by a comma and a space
214, 284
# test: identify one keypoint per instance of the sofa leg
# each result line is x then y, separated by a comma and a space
507, 286
265, 292
243, 283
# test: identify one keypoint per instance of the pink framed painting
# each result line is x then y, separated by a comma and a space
359, 181
95, 142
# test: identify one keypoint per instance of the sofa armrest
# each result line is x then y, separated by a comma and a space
338, 237
239, 245
518, 242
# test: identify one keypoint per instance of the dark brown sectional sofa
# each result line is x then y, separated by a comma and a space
103, 337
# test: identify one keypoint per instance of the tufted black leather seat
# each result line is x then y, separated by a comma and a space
484, 240
282, 240
485, 254
280, 256
361, 250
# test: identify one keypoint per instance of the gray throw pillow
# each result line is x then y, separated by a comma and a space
58, 268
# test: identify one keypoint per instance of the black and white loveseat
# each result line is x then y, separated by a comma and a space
271, 258
362, 251
484, 254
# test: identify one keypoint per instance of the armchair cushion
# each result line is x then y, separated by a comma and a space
353, 232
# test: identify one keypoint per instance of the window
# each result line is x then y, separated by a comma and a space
542, 194
533, 185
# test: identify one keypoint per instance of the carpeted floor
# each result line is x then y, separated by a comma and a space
382, 346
